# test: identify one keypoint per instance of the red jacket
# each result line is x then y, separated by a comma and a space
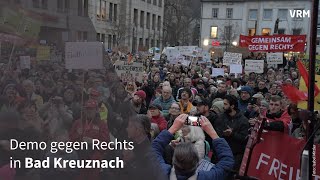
160, 121
285, 118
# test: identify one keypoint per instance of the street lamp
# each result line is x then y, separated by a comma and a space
206, 42
235, 43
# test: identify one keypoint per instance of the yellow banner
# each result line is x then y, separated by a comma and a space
43, 53
303, 87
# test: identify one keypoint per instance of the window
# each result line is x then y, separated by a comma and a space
158, 44
229, 3
103, 37
282, 14
215, 12
135, 17
296, 31
153, 22
147, 43
155, 2
160, 3
110, 11
296, 17
148, 20
66, 5
149, 1
99, 9
267, 14
114, 40
60, 5
159, 23
103, 10
229, 13
115, 10
82, 8
98, 37
251, 32
265, 31
44, 4
253, 14
35, 3
281, 31
140, 42
109, 41
318, 32
214, 32
228, 32
142, 19
85, 35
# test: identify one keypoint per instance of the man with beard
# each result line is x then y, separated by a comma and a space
138, 102
245, 96
233, 126
221, 93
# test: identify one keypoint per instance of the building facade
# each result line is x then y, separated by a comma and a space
129, 25
65, 20
225, 20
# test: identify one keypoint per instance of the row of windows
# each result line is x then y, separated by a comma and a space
155, 21
251, 31
101, 9
155, 2
253, 14
147, 43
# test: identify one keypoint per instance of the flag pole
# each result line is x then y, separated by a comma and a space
312, 61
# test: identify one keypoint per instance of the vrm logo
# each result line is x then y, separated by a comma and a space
298, 13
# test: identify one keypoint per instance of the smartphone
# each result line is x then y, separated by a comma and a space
193, 121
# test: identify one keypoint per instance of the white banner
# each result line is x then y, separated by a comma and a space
84, 55
129, 72
217, 72
275, 58
25, 62
231, 58
188, 50
236, 68
256, 66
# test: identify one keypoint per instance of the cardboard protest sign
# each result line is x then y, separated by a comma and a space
271, 160
25, 62
157, 56
43, 53
274, 58
206, 56
129, 72
185, 62
231, 58
256, 66
217, 72
84, 55
171, 53
187, 50
236, 68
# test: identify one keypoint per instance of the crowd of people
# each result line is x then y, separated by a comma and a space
49, 103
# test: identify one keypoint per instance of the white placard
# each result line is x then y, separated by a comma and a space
256, 66
217, 72
236, 68
187, 50
172, 54
185, 63
84, 55
206, 57
129, 72
25, 62
231, 58
157, 56
275, 58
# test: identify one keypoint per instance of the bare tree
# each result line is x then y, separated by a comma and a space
231, 31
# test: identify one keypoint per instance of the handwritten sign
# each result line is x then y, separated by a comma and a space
236, 68
185, 62
231, 58
187, 50
275, 58
84, 55
217, 72
256, 66
129, 72
157, 56
25, 62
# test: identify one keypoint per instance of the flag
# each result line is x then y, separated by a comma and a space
293, 93
305, 75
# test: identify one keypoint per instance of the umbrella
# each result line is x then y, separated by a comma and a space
154, 50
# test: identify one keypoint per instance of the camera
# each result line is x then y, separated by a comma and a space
193, 121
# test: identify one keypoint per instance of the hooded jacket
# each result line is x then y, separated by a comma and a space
160, 121
216, 172
165, 104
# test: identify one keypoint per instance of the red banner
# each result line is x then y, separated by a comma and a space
278, 157
275, 43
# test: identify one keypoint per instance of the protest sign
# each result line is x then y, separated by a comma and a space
206, 56
274, 58
43, 53
157, 56
84, 55
185, 62
171, 53
236, 68
256, 66
275, 43
217, 72
187, 50
25, 62
231, 58
129, 72
272, 160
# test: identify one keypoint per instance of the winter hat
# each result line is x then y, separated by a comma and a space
265, 103
218, 105
155, 106
141, 94
8, 86
246, 89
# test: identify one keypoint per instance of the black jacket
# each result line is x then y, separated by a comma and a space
240, 125
212, 118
